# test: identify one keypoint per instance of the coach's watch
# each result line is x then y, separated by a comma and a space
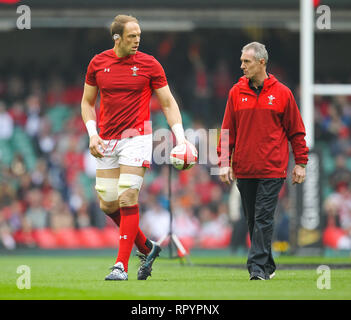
301, 165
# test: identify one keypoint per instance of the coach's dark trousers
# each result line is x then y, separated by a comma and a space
259, 199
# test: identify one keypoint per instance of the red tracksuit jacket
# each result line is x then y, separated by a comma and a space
260, 127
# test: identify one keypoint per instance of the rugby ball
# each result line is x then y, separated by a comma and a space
183, 156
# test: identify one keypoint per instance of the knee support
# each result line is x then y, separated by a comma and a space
129, 181
107, 188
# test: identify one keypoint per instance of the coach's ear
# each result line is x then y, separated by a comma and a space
116, 36
262, 62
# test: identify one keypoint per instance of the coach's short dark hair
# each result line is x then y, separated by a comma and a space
117, 26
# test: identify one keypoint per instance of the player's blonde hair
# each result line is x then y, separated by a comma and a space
117, 26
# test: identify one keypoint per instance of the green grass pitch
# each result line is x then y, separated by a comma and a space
80, 277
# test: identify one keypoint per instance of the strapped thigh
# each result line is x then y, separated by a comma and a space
129, 181
107, 188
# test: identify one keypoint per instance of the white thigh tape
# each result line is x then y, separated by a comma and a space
129, 181
107, 188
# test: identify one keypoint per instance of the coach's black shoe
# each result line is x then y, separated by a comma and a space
147, 260
117, 272
256, 276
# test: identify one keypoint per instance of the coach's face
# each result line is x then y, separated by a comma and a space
130, 40
250, 65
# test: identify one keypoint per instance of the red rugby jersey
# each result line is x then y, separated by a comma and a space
260, 128
126, 85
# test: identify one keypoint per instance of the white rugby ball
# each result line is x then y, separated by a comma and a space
183, 156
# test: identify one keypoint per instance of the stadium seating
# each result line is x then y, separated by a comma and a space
22, 144
110, 236
6, 153
45, 238
217, 242
58, 115
90, 238
332, 235
69, 238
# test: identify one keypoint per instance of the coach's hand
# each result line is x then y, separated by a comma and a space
298, 174
226, 175
95, 145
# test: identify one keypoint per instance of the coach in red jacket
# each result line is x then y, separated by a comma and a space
261, 116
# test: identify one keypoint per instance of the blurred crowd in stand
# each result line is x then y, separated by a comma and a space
333, 131
47, 175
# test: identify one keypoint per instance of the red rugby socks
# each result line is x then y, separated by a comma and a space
143, 244
128, 230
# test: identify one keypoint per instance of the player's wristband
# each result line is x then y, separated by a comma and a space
179, 133
91, 127
301, 165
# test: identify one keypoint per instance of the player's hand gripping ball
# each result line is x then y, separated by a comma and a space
183, 156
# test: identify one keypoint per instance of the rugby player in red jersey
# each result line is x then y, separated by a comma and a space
126, 79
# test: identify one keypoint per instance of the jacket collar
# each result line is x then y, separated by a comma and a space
243, 83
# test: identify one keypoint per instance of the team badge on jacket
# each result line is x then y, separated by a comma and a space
134, 69
271, 98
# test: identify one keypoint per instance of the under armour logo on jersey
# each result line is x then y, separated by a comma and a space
123, 237
134, 69
271, 98
243, 99
107, 70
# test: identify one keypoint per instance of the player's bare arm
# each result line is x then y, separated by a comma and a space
169, 105
89, 118
171, 111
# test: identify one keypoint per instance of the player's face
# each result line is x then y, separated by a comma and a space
130, 41
250, 65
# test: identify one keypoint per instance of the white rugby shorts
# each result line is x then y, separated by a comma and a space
134, 151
